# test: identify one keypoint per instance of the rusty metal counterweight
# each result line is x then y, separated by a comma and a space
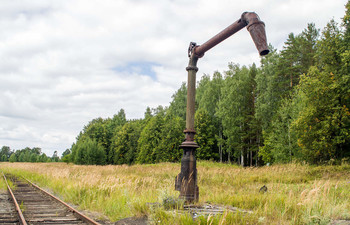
186, 180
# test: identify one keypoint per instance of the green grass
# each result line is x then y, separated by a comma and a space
297, 194
3, 186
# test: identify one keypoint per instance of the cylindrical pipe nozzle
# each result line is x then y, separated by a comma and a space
256, 29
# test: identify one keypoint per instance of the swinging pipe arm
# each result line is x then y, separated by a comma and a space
255, 27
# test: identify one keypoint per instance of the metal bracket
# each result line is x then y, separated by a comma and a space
191, 48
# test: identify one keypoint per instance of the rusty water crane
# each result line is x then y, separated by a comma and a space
186, 180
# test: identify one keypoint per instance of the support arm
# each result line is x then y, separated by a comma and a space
255, 27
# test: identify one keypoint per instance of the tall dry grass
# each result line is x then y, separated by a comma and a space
297, 194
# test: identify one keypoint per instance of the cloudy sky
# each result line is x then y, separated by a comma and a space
64, 63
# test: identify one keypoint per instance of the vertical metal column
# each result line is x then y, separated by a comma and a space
186, 181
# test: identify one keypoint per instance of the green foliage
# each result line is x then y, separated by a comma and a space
237, 110
24, 155
87, 152
322, 127
148, 145
178, 104
267, 90
13, 158
66, 158
125, 145
280, 144
5, 153
208, 98
171, 138
295, 107
66, 152
205, 136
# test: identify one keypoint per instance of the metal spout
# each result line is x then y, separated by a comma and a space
256, 29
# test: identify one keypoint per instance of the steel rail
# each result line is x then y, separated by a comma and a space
18, 209
74, 211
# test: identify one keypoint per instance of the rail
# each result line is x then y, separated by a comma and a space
75, 213
18, 209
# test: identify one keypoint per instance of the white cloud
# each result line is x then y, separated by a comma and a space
59, 60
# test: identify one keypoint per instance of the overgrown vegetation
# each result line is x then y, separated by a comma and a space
296, 194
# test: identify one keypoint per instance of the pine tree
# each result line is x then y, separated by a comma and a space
148, 145
125, 146
205, 136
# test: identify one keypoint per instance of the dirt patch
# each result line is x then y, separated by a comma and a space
132, 221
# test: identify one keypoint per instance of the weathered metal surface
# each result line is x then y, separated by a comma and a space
186, 180
255, 27
74, 211
191, 92
40, 207
227, 32
18, 209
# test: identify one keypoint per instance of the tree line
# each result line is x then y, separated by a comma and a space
27, 155
294, 107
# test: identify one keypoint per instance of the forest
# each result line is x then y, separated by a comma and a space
294, 107
27, 155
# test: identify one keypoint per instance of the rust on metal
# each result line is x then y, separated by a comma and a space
18, 209
74, 211
186, 180
42, 207
255, 27
227, 32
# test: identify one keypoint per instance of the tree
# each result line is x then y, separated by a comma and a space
209, 100
125, 146
323, 124
267, 90
5, 153
66, 152
237, 112
171, 138
43, 158
205, 136
66, 156
55, 157
148, 113
297, 56
148, 145
13, 158
280, 143
231, 108
178, 104
88, 151
33, 157
36, 150
202, 87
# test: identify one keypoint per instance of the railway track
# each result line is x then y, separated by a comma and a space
29, 204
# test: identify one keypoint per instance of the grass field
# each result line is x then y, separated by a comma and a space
297, 194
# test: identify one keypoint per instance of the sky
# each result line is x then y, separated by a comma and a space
66, 62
